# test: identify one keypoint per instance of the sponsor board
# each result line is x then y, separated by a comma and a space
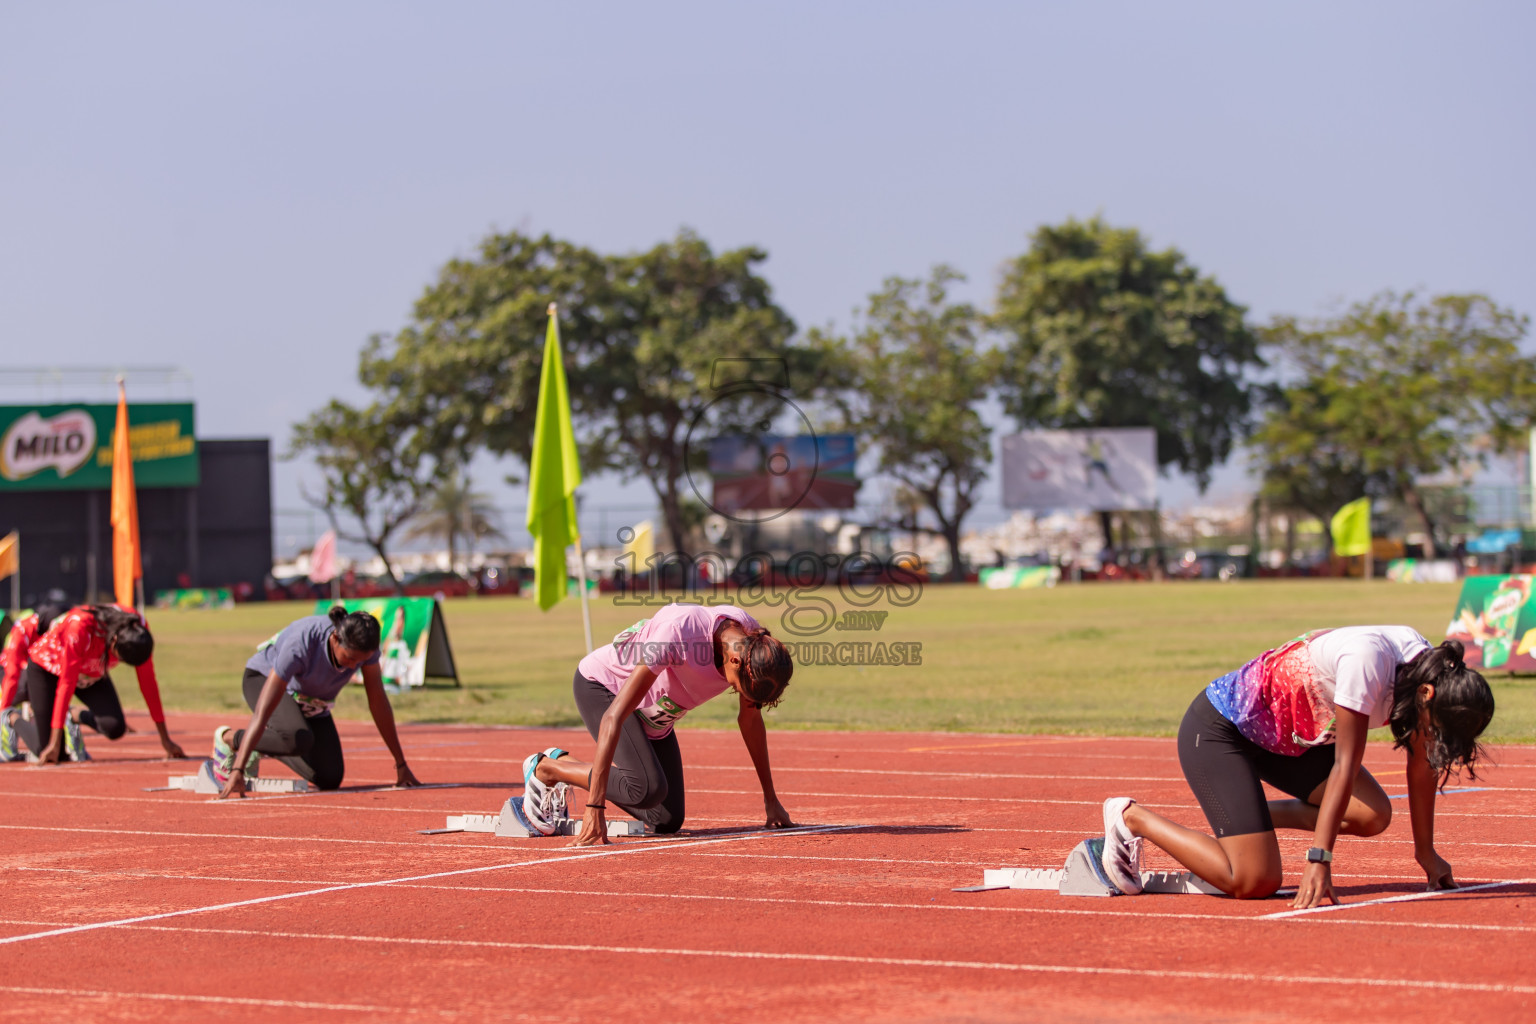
69, 447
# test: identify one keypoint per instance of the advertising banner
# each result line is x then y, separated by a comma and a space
1423, 570
415, 639
1020, 578
69, 447
1110, 470
195, 597
769, 471
1496, 621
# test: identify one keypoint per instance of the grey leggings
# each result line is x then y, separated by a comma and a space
646, 779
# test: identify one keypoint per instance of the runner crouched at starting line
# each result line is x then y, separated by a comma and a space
50, 660
1296, 718
291, 684
631, 692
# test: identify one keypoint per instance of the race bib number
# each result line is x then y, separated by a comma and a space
313, 707
662, 714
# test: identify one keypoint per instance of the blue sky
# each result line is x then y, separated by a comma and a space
250, 190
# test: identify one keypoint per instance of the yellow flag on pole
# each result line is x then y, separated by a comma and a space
553, 475
1351, 528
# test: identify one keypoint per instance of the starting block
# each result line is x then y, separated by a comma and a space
204, 782
511, 823
1083, 875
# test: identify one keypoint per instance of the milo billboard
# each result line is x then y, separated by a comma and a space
69, 447
1495, 620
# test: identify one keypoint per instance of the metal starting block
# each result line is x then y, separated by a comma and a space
204, 782
1083, 875
511, 823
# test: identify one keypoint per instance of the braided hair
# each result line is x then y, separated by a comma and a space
1459, 711
768, 668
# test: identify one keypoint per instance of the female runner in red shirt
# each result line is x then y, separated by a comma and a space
72, 657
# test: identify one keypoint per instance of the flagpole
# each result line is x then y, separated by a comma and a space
581, 576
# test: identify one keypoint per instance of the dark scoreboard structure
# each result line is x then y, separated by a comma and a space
205, 506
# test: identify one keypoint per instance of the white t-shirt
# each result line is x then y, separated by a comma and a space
1358, 665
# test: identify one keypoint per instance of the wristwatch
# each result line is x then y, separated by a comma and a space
1318, 855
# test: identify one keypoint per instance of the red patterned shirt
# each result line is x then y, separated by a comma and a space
75, 650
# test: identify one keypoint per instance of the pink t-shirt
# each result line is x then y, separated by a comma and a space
678, 644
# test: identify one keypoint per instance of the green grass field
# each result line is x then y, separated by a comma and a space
1092, 659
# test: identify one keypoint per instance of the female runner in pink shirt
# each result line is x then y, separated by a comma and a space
630, 694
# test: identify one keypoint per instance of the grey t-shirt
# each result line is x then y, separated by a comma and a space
299, 654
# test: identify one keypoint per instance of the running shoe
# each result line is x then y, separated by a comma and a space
1122, 851
74, 743
224, 756
10, 749
543, 805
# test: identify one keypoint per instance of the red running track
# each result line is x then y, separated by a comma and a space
168, 906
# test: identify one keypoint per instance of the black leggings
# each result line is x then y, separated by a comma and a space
1225, 769
103, 711
310, 746
646, 779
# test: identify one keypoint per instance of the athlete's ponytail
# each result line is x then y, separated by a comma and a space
768, 668
1459, 711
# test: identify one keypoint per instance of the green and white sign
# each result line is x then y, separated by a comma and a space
69, 447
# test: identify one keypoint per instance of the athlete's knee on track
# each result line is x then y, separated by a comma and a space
328, 781
1256, 887
111, 728
1373, 823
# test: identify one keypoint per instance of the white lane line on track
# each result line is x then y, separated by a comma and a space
278, 1004
1404, 898
652, 846
1150, 916
104, 873
234, 835
1289, 980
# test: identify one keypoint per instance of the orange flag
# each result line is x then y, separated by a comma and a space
126, 564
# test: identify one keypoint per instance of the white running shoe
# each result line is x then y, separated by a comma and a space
1122, 851
543, 805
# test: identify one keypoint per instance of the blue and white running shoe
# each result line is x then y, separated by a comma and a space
543, 805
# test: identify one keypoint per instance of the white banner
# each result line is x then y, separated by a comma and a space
1109, 470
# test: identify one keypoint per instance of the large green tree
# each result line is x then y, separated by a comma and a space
1390, 391
663, 384
920, 369
1106, 332
643, 335
465, 369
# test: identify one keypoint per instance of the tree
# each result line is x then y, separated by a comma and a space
376, 468
652, 397
920, 370
641, 334
465, 370
1393, 390
1105, 332
455, 510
